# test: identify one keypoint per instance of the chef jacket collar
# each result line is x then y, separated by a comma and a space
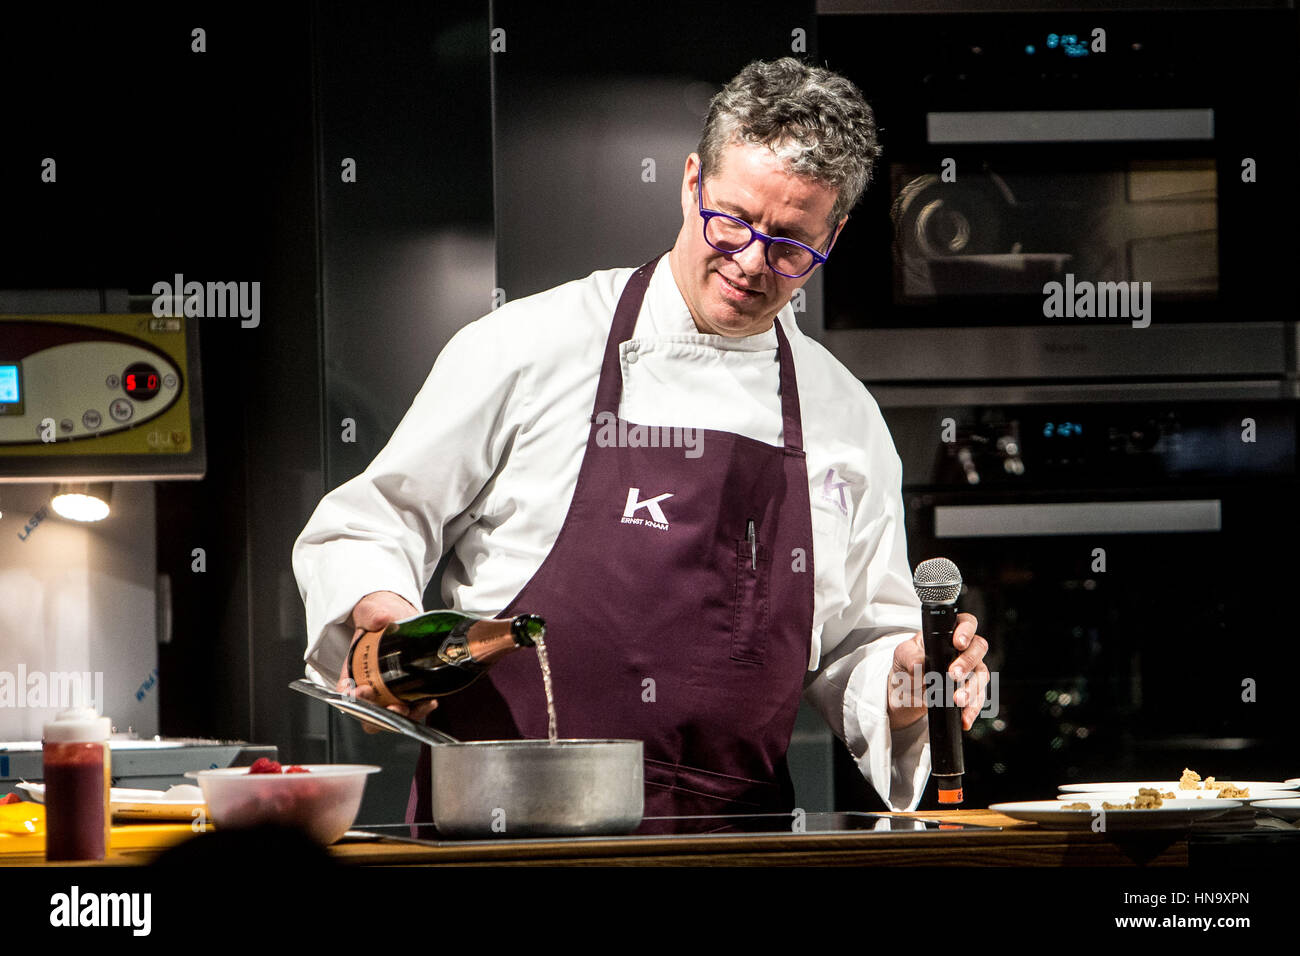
665, 315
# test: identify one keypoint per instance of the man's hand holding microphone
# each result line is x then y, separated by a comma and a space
932, 656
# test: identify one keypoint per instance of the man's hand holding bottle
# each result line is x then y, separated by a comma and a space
374, 612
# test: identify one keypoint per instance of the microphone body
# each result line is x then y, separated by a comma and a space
938, 583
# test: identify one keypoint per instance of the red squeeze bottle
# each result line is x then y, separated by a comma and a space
77, 786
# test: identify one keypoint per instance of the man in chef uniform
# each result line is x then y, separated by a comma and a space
769, 560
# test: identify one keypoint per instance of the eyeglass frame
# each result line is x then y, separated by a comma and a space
819, 258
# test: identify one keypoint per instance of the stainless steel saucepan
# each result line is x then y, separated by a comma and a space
518, 788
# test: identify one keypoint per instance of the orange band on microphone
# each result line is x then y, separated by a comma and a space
950, 796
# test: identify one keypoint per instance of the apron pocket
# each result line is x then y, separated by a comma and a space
750, 621
691, 791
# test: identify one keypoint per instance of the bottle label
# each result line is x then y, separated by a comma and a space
366, 670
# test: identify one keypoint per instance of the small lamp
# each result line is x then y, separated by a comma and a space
82, 500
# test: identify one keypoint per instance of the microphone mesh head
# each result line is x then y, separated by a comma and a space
937, 581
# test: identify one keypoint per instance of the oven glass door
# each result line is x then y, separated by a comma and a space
1011, 228
1123, 652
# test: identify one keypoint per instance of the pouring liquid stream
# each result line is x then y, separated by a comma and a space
542, 659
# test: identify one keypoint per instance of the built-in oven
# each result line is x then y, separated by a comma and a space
1109, 190
1131, 563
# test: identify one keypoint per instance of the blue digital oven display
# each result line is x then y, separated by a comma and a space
1062, 430
1067, 43
10, 394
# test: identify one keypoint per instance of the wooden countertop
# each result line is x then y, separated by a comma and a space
1018, 844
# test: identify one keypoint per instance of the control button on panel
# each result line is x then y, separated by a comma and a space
112, 381
169, 380
121, 410
65, 426
91, 419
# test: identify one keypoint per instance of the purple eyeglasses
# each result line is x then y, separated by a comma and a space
785, 257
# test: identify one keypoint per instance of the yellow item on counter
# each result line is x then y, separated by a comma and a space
22, 819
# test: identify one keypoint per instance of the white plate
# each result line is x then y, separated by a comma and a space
1124, 796
127, 804
1287, 809
1174, 815
35, 746
1164, 786
1294, 782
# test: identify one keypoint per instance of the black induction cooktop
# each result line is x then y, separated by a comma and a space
703, 826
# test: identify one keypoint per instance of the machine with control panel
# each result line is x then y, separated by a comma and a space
99, 397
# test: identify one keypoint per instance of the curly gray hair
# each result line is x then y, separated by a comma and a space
812, 118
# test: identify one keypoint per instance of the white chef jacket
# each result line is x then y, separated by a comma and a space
486, 460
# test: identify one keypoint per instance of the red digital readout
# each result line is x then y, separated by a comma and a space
141, 381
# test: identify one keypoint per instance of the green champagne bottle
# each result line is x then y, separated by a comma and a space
436, 653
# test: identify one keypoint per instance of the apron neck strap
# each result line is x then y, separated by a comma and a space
791, 418
610, 389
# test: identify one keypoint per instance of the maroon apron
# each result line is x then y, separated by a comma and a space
659, 626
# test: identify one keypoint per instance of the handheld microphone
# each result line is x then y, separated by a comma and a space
938, 582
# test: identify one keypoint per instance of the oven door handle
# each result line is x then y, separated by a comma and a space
1075, 518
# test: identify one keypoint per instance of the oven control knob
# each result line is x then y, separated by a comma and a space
1144, 436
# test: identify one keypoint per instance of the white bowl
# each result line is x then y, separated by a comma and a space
322, 802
